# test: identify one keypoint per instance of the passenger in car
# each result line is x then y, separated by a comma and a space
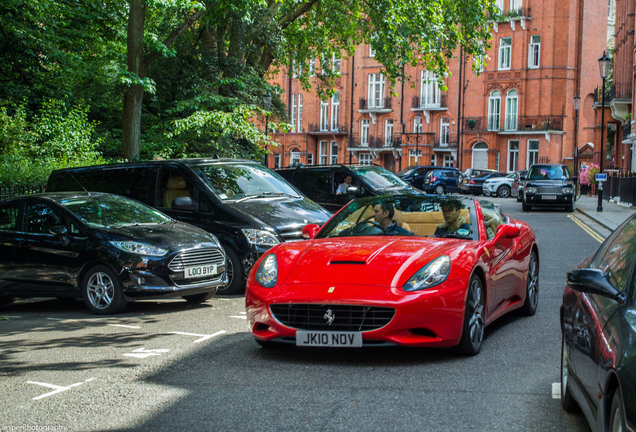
453, 222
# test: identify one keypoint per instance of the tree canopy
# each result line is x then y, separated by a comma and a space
189, 76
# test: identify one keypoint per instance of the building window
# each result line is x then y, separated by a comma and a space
324, 115
414, 157
417, 124
312, 67
310, 158
296, 69
277, 161
371, 51
365, 158
322, 152
534, 52
388, 132
429, 90
505, 48
335, 61
300, 112
364, 133
434, 159
499, 5
511, 110
513, 155
515, 5
334, 153
533, 153
444, 132
376, 91
448, 160
294, 157
293, 113
335, 103
494, 109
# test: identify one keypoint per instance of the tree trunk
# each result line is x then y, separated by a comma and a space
134, 95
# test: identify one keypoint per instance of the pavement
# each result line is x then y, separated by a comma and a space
613, 214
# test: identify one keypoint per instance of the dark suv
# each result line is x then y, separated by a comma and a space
416, 175
548, 185
246, 205
441, 180
320, 183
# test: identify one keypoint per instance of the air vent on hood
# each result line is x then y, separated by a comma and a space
348, 262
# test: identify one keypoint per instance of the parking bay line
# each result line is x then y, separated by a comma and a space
556, 390
125, 326
201, 337
57, 388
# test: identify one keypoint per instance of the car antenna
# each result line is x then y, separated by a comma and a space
76, 181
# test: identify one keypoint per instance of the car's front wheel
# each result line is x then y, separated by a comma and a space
567, 401
235, 273
532, 286
439, 190
524, 206
474, 323
572, 206
617, 416
503, 191
102, 291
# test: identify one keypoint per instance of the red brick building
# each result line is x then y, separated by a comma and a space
516, 111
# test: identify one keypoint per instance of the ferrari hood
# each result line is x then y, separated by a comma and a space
364, 260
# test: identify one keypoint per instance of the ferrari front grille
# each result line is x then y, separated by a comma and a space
332, 317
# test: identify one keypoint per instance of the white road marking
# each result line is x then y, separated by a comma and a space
125, 326
556, 390
239, 317
57, 388
201, 337
143, 353
10, 316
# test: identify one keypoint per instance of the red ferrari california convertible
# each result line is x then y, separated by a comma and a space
422, 271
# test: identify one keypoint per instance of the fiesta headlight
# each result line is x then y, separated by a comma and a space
267, 273
260, 237
432, 274
139, 248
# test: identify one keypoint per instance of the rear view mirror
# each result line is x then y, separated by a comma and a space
184, 203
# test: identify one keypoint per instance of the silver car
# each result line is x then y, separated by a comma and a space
499, 186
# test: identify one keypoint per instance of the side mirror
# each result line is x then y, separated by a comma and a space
507, 231
310, 231
185, 204
594, 281
61, 233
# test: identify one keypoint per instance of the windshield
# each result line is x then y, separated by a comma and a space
239, 181
380, 178
421, 216
548, 172
107, 211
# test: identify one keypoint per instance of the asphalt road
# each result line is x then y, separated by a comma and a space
167, 366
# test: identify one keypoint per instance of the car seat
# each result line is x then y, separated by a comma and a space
175, 188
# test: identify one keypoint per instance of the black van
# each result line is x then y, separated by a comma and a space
246, 205
320, 183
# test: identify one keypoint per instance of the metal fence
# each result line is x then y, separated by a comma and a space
621, 186
15, 190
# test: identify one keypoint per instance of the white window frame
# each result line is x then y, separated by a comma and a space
364, 133
335, 63
494, 110
293, 112
414, 157
322, 152
335, 105
312, 67
532, 154
324, 115
516, 5
429, 90
371, 51
333, 153
294, 156
277, 160
500, 5
513, 155
376, 91
505, 51
417, 124
534, 52
512, 110
365, 159
310, 158
449, 161
433, 160
444, 132
388, 132
300, 112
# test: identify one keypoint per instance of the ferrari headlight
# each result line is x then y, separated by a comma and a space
432, 274
267, 273
260, 237
139, 248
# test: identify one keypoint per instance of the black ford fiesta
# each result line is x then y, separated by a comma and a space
105, 249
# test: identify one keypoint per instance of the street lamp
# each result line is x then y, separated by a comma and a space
267, 103
603, 65
418, 126
576, 101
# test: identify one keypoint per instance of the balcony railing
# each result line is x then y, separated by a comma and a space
314, 128
381, 104
375, 143
442, 103
524, 124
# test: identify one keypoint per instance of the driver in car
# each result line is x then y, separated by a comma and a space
383, 213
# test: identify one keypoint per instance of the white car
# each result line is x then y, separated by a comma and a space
499, 186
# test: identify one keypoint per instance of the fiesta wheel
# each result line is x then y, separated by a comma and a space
102, 291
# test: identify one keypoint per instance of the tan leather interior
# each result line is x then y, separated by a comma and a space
175, 188
424, 223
